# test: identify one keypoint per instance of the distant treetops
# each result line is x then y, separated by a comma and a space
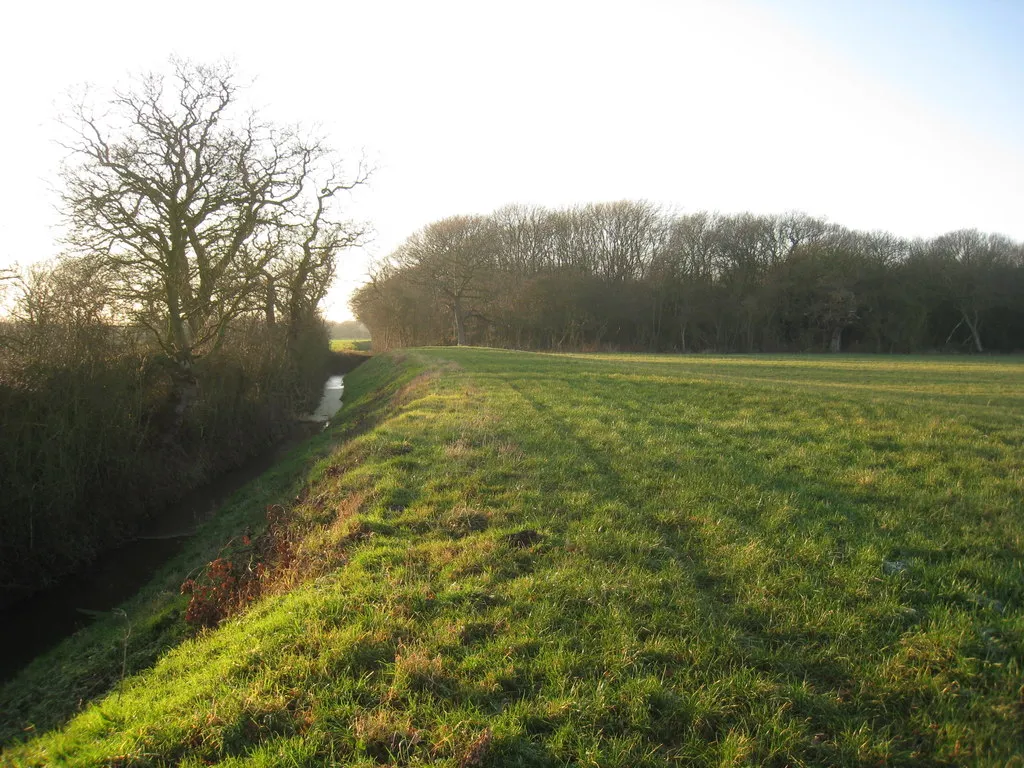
631, 276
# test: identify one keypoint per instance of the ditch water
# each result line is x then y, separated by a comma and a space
35, 624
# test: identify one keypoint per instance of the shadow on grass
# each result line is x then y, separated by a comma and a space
791, 656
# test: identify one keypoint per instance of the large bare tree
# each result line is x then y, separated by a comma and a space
452, 258
201, 214
971, 265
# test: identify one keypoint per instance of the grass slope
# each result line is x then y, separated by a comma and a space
541, 560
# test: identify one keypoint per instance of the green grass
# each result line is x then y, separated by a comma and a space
351, 345
726, 561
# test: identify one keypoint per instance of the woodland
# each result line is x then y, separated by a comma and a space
632, 276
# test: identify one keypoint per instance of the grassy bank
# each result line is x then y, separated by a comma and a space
500, 558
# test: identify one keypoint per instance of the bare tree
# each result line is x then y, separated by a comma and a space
971, 266
196, 213
307, 266
452, 257
8, 281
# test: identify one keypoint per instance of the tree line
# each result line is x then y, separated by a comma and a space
630, 275
347, 329
180, 332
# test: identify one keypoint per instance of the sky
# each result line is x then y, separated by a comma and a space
900, 116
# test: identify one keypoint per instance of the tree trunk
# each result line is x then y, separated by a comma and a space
973, 326
460, 324
836, 344
184, 392
271, 301
179, 345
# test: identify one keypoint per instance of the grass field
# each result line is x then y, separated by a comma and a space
350, 345
505, 559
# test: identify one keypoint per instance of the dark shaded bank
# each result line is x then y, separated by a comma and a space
36, 622
341, 362
97, 441
133, 634
32, 623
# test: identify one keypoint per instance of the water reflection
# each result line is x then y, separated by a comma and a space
330, 403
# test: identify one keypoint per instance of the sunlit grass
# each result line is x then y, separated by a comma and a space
350, 345
621, 560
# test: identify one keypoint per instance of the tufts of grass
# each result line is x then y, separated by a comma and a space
515, 559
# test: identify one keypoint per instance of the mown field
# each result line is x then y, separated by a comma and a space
509, 559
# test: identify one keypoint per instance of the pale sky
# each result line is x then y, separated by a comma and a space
903, 116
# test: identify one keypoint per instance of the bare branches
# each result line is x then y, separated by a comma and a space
635, 276
190, 207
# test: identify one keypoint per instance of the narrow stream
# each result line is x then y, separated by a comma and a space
330, 403
34, 625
